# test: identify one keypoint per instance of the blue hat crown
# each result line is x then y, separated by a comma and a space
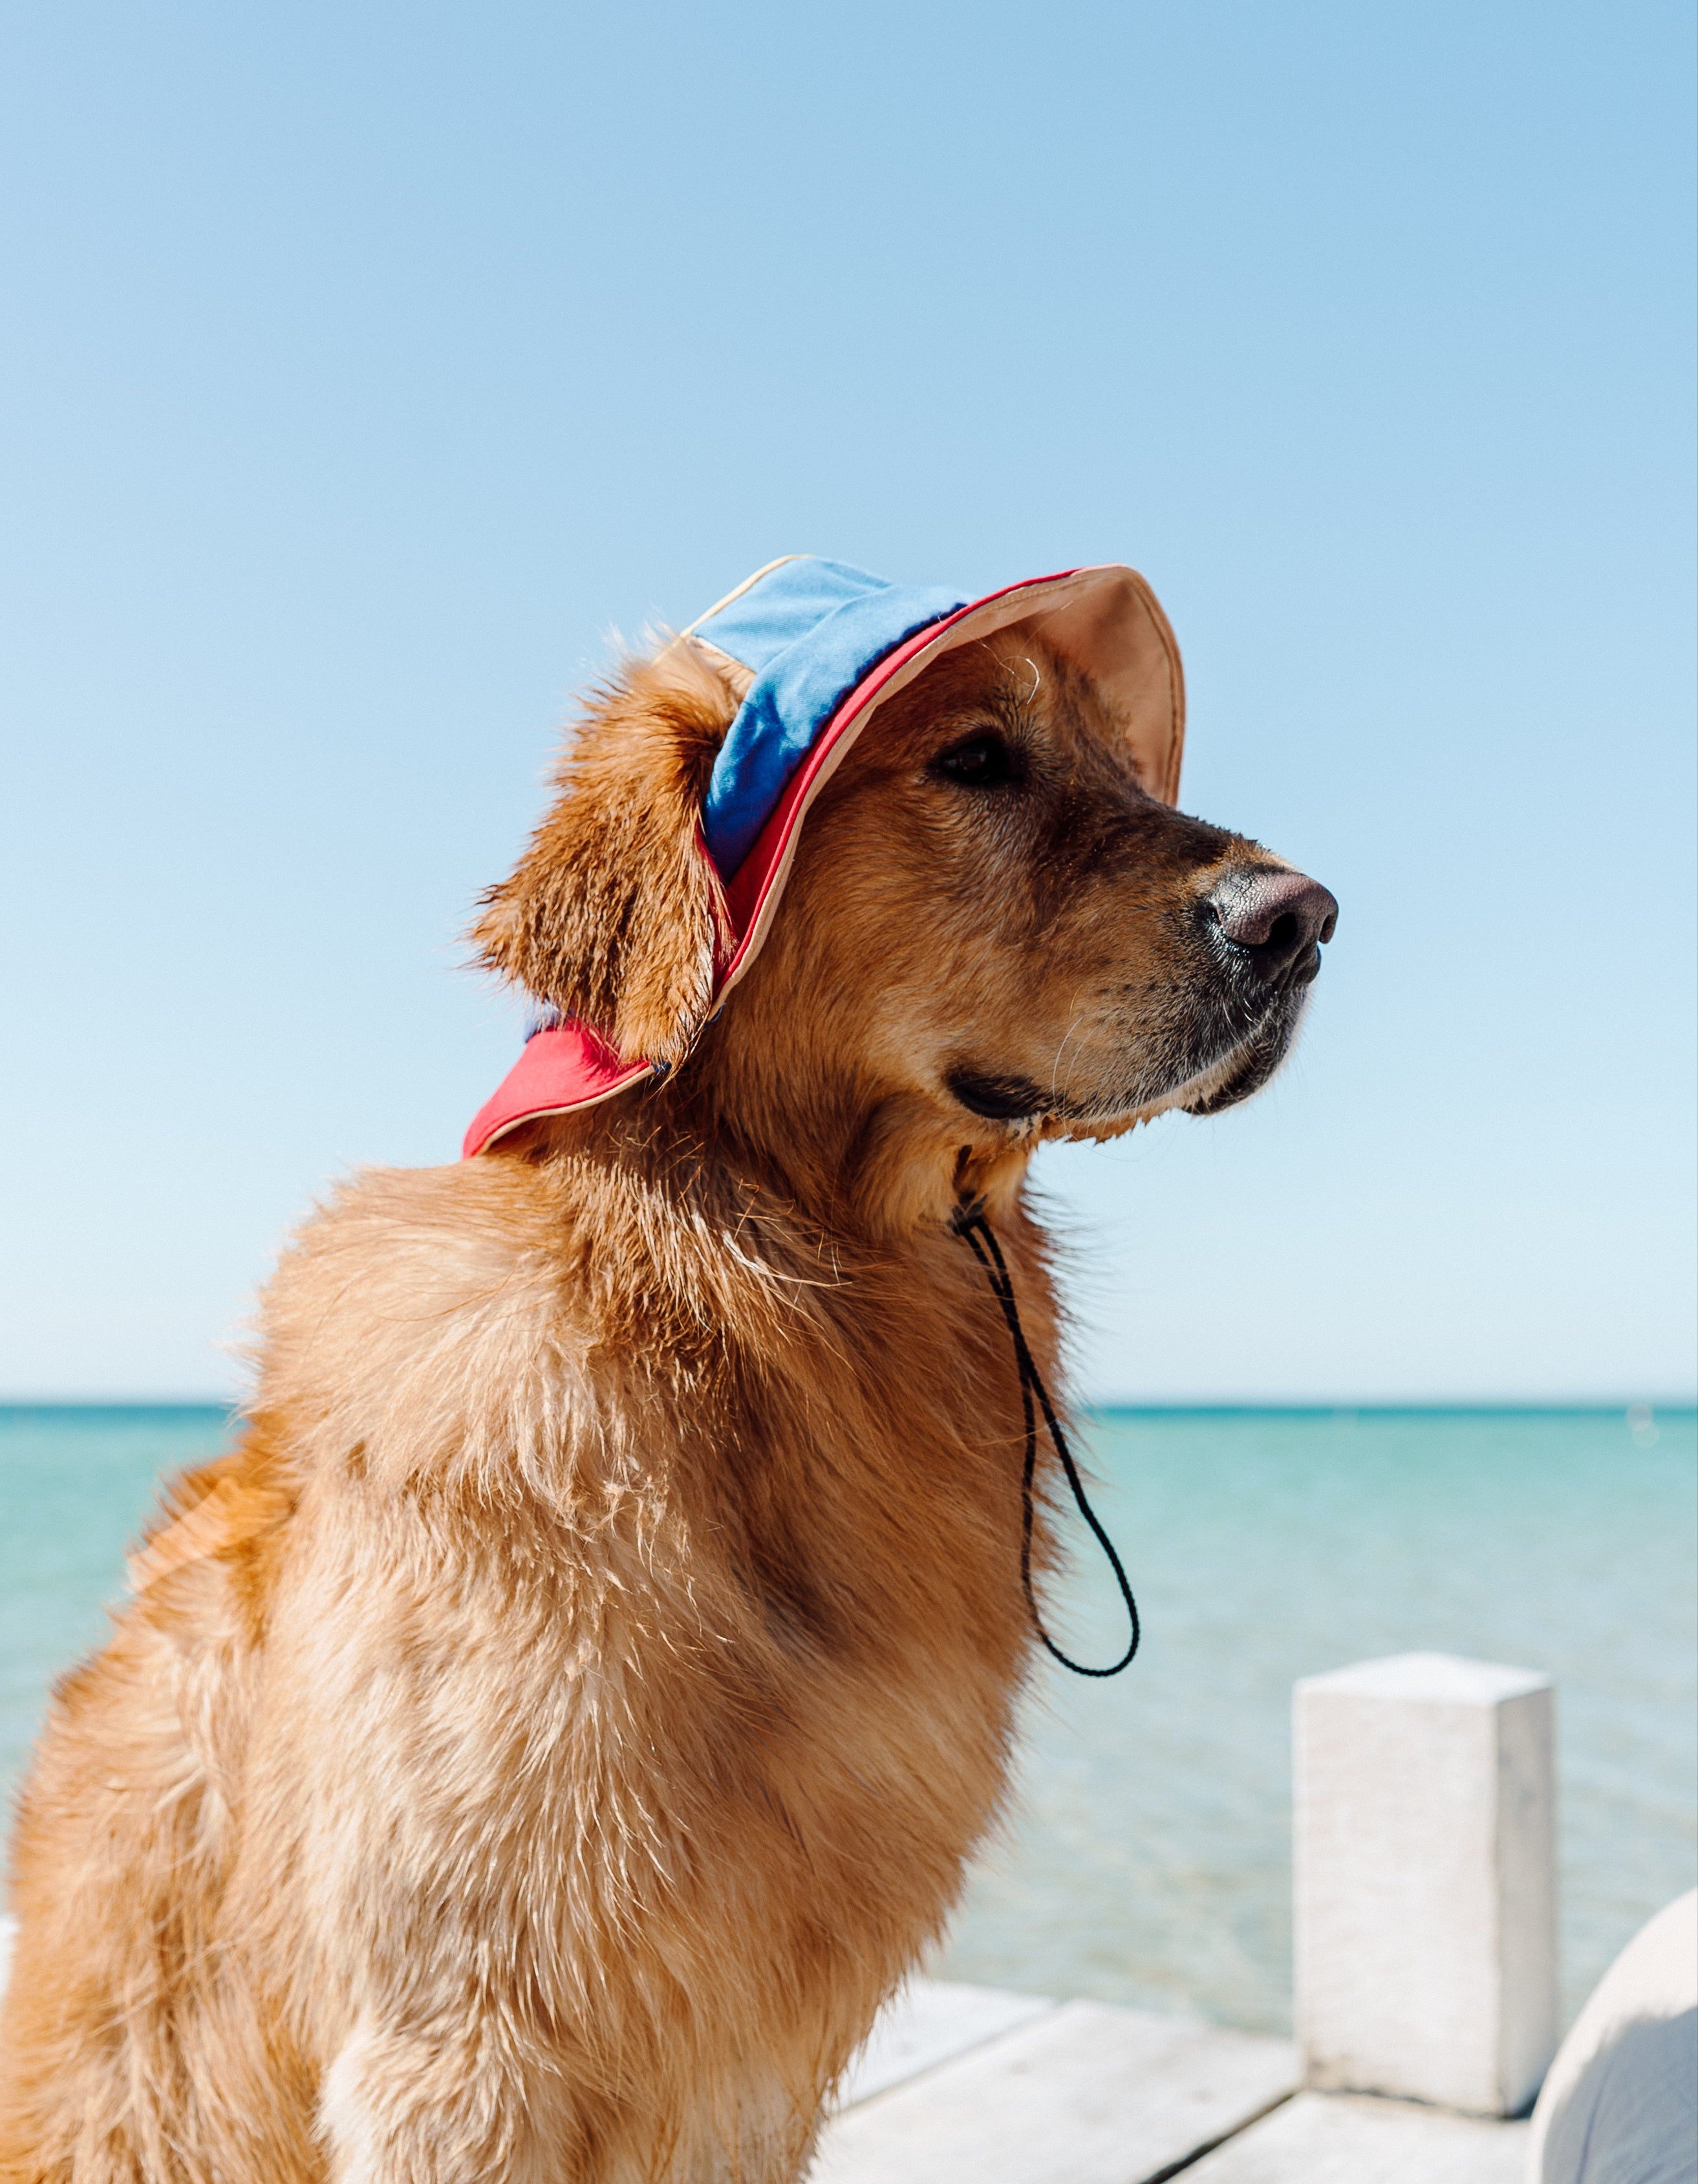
808, 630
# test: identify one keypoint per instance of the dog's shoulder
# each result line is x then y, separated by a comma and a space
414, 1305
398, 1248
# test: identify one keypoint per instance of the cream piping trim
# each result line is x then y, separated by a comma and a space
748, 584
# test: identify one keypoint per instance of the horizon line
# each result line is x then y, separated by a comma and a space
1319, 1405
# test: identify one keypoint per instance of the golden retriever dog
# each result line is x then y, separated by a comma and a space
533, 1755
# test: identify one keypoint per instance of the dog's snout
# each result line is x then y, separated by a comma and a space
1275, 921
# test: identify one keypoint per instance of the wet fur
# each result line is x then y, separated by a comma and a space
537, 1750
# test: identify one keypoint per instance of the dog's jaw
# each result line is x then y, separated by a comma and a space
1021, 1112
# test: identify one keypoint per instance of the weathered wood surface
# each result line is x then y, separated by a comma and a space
1079, 2093
965, 2085
931, 2022
1344, 2138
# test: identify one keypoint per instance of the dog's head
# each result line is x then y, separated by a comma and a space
993, 931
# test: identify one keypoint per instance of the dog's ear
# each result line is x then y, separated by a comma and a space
612, 914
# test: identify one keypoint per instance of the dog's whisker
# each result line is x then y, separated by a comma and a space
1056, 1066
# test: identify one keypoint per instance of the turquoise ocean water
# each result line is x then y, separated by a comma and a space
1147, 1861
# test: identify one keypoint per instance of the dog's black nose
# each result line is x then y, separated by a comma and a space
1277, 921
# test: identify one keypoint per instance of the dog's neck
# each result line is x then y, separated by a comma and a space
871, 1169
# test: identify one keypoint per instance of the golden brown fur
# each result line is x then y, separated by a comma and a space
537, 1750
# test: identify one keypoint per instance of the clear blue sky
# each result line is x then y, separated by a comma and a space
370, 366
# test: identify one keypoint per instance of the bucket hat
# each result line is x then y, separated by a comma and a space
826, 644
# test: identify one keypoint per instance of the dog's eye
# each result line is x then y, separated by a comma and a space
981, 762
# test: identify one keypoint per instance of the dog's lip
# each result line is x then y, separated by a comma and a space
1001, 1096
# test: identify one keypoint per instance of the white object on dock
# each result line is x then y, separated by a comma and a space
1425, 1892
1621, 2098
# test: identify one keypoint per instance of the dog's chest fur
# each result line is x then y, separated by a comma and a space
654, 1597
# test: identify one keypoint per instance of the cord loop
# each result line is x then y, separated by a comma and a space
969, 1221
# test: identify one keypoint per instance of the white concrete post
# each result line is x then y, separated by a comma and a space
1425, 1880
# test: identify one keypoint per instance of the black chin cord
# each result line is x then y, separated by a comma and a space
969, 1221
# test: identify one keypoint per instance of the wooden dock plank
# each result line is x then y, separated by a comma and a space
931, 2021
1338, 2138
1082, 2094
